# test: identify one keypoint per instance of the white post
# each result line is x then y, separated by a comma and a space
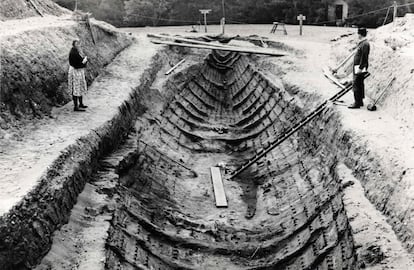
395, 13
224, 17
205, 12
301, 18
76, 5
205, 22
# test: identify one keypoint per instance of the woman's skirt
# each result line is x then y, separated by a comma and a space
76, 82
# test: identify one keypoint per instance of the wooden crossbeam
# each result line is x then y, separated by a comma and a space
213, 47
220, 195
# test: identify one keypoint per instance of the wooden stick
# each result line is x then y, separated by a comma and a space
174, 67
344, 61
232, 49
264, 45
255, 251
384, 90
89, 25
394, 14
35, 7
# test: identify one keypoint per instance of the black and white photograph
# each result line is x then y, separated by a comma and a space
206, 134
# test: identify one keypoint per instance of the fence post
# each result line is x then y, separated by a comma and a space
395, 13
386, 16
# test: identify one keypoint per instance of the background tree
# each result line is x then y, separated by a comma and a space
185, 12
146, 12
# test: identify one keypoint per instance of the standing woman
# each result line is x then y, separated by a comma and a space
76, 78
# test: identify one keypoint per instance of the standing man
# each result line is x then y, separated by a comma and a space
360, 68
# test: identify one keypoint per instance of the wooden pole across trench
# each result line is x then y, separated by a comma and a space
232, 49
206, 45
188, 40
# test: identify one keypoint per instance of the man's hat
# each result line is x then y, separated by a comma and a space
362, 31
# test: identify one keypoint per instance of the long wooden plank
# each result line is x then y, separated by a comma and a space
197, 41
220, 195
332, 78
345, 60
232, 49
208, 46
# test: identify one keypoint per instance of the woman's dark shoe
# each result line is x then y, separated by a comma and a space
81, 103
76, 107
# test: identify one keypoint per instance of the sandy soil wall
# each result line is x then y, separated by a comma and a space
18, 9
28, 228
391, 56
35, 64
386, 180
386, 184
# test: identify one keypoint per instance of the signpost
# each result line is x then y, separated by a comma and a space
223, 20
205, 12
222, 24
301, 18
394, 15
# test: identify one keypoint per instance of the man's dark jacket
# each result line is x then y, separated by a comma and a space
361, 56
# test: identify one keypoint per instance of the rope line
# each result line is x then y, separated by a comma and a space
405, 5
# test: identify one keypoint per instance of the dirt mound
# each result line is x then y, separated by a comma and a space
391, 56
34, 66
18, 9
26, 229
394, 57
399, 37
390, 129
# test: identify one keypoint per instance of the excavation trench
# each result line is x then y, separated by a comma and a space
285, 212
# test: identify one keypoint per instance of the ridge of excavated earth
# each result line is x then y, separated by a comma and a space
60, 152
105, 96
